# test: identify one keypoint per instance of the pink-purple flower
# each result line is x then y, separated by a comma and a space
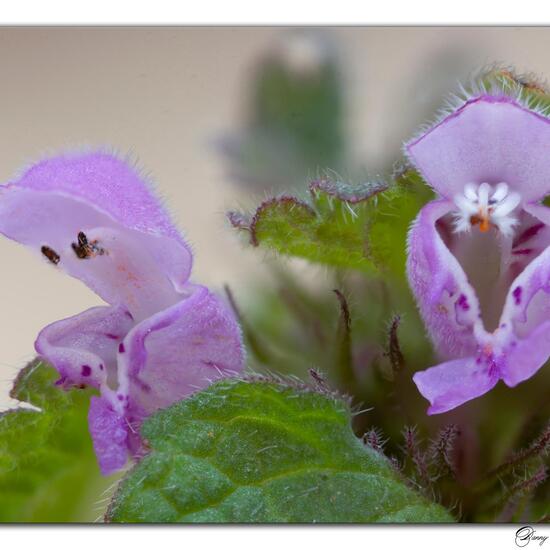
479, 256
161, 337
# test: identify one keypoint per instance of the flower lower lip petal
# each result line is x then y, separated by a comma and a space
451, 384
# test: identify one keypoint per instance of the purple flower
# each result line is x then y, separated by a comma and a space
479, 256
162, 337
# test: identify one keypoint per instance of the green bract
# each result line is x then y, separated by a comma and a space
358, 226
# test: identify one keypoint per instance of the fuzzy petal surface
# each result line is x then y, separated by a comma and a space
179, 351
489, 139
105, 181
525, 357
83, 348
446, 300
527, 316
135, 255
109, 433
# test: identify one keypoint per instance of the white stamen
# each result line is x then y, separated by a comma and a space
462, 224
506, 205
470, 191
500, 192
487, 207
466, 205
506, 225
483, 194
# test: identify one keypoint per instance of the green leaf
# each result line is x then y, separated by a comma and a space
391, 219
48, 471
263, 452
358, 226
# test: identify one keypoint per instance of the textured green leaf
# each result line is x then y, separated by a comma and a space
48, 471
263, 452
359, 226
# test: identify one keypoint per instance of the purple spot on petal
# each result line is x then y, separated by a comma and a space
493, 366
143, 385
517, 295
462, 302
61, 381
101, 367
120, 397
529, 233
121, 348
523, 251
112, 336
86, 370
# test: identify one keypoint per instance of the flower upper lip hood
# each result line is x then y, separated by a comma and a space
161, 337
487, 139
478, 255
96, 192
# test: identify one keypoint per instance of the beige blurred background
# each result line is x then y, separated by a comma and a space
164, 94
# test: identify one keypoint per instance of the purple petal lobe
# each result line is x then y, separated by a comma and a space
446, 300
180, 350
450, 384
527, 309
79, 346
109, 434
528, 302
527, 356
489, 139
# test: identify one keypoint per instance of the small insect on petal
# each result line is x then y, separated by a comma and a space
51, 254
85, 249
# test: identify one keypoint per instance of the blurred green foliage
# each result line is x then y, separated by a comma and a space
294, 117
